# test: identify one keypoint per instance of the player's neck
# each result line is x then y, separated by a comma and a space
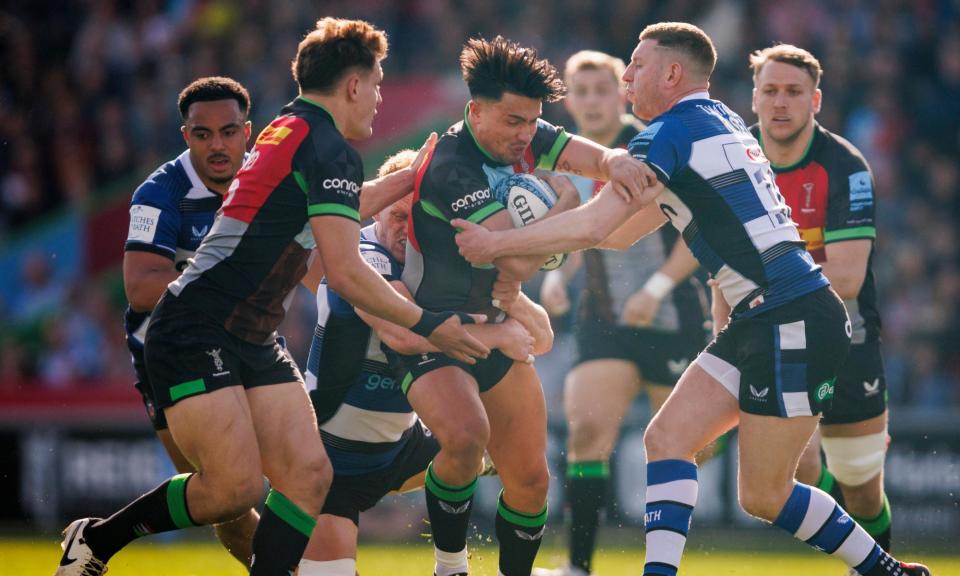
788, 153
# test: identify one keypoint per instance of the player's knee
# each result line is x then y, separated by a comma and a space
657, 442
467, 442
315, 474
762, 502
857, 460
240, 496
589, 433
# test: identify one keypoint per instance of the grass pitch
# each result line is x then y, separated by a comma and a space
22, 557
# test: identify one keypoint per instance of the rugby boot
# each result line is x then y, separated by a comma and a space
78, 558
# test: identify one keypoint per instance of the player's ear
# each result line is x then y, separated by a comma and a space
352, 86
186, 134
817, 100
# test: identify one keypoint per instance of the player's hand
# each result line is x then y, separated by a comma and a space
553, 294
568, 197
424, 153
640, 310
453, 340
628, 176
506, 290
516, 343
475, 242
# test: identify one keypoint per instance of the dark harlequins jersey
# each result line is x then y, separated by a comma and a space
456, 182
612, 276
257, 249
830, 192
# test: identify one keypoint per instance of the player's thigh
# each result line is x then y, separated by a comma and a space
770, 447
448, 401
874, 425
596, 396
697, 411
214, 432
290, 444
518, 427
180, 462
333, 538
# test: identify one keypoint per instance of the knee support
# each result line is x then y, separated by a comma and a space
854, 461
342, 567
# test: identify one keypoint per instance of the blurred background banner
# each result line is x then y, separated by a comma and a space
88, 109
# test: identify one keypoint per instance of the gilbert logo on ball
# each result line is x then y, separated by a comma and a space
528, 199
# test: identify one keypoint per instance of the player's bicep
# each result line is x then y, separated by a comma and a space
332, 188
154, 226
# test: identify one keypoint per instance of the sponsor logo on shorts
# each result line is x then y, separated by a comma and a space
217, 362
825, 391
342, 186
760, 395
199, 233
425, 359
676, 367
871, 388
471, 200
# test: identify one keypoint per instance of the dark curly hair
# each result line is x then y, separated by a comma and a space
211, 89
492, 67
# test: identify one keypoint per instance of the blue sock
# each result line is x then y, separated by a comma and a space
813, 516
671, 495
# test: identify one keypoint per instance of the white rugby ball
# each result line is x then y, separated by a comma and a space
527, 199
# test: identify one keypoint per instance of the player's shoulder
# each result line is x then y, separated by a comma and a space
167, 185
311, 121
667, 126
835, 149
455, 155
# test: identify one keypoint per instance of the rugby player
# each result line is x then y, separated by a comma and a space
498, 403
233, 397
640, 320
373, 438
829, 187
772, 369
170, 214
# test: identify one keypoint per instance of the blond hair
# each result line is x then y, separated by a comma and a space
397, 162
787, 54
593, 60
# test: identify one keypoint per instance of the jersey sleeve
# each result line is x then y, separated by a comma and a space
380, 260
154, 221
331, 180
663, 145
458, 192
548, 143
850, 205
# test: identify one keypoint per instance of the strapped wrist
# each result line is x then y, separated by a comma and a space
659, 285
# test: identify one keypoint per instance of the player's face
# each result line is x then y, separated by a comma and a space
393, 227
216, 133
505, 128
643, 79
785, 101
595, 100
367, 99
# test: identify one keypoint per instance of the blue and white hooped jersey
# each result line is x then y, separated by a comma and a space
364, 417
170, 214
721, 195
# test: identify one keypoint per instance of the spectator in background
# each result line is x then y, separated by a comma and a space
40, 293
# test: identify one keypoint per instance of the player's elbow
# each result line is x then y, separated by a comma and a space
138, 296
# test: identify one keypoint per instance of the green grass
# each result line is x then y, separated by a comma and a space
208, 559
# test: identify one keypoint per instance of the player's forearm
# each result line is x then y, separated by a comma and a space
350, 276
680, 264
846, 281
403, 341
381, 192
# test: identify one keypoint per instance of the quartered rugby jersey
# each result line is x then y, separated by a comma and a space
364, 416
721, 195
456, 182
244, 272
612, 276
830, 192
170, 214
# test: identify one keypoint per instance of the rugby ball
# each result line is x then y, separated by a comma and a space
528, 199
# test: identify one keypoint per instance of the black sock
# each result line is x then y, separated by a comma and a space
586, 492
449, 509
519, 535
161, 510
281, 537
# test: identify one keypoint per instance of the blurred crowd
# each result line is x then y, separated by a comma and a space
88, 99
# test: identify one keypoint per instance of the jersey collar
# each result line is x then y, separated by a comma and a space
322, 107
466, 122
197, 188
701, 95
803, 157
